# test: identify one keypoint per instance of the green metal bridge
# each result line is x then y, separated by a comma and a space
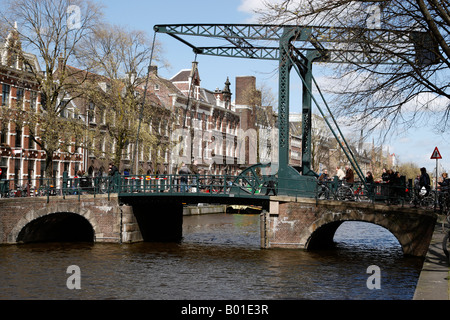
297, 48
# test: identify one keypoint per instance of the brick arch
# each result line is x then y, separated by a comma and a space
404, 228
321, 232
34, 214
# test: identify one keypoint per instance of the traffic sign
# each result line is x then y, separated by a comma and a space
436, 154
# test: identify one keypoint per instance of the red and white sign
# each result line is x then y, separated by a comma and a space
436, 154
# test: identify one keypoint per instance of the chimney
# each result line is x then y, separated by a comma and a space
153, 70
245, 88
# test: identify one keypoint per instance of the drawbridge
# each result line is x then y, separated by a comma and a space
297, 48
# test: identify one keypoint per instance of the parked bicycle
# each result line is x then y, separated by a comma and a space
324, 192
346, 193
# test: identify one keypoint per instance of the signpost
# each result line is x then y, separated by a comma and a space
436, 155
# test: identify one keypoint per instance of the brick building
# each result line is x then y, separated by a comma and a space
20, 157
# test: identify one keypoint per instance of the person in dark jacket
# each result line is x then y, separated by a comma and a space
112, 169
424, 181
349, 176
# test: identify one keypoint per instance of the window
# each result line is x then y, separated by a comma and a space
30, 143
4, 134
19, 96
91, 113
64, 111
16, 171
5, 94
33, 100
30, 172
18, 138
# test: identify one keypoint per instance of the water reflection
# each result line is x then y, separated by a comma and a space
218, 258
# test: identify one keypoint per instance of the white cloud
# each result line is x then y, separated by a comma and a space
249, 6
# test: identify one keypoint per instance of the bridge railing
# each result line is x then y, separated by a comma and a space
193, 184
218, 185
135, 184
46, 187
376, 192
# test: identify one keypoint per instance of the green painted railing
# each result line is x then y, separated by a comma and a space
214, 186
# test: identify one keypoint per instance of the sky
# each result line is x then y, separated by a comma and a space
416, 145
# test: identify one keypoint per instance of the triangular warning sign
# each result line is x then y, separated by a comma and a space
436, 154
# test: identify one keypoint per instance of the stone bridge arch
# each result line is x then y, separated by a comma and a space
311, 224
53, 211
321, 232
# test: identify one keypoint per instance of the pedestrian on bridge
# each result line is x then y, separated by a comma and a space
340, 173
324, 176
349, 176
369, 177
184, 172
112, 169
424, 181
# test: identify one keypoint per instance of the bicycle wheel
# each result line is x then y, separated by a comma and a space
322, 192
446, 246
344, 193
428, 201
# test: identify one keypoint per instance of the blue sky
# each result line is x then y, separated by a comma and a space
416, 146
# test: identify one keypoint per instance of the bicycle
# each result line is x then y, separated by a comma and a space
324, 192
346, 192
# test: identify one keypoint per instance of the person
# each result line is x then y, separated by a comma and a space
349, 176
385, 176
424, 181
340, 173
271, 187
398, 188
184, 171
444, 186
323, 179
195, 172
369, 177
370, 183
112, 169
324, 176
416, 190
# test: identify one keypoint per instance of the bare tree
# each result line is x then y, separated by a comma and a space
409, 92
52, 30
120, 61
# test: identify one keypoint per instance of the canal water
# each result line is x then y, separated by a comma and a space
219, 258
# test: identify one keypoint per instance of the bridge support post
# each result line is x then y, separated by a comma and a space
130, 231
